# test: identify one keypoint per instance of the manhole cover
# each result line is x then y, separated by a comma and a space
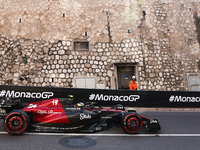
77, 142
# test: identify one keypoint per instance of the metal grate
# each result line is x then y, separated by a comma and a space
194, 80
86, 82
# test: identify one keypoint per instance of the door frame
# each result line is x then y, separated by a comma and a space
116, 65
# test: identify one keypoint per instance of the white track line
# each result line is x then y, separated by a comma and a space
110, 135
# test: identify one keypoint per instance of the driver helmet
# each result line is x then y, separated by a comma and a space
133, 77
80, 104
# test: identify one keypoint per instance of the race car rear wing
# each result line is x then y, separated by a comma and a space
7, 105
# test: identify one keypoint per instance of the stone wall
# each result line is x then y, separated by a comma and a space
161, 37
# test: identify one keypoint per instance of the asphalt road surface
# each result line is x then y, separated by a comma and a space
179, 130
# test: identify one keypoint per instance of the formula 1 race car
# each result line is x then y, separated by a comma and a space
61, 115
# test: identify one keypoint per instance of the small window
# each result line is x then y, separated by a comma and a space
86, 82
194, 82
81, 46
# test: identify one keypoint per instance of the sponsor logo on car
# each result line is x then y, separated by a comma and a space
98, 128
107, 117
58, 128
53, 112
32, 106
76, 108
153, 121
183, 99
84, 116
5, 106
55, 102
2, 111
41, 112
17, 94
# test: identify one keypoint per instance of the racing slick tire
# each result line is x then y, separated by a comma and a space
132, 123
16, 122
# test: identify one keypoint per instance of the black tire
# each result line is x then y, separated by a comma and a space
16, 122
132, 123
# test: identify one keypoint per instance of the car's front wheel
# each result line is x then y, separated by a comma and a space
16, 122
132, 123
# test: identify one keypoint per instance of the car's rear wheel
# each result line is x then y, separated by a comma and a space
132, 123
16, 122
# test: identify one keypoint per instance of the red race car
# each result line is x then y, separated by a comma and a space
61, 115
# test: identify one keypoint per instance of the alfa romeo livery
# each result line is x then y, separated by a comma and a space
62, 115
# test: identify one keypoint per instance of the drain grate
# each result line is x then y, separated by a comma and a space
77, 142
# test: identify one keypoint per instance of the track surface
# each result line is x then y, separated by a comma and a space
179, 130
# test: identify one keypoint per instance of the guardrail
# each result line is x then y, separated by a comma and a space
165, 99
